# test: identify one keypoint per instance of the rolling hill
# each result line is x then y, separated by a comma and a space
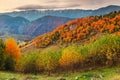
81, 30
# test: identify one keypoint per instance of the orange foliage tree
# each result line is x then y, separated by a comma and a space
112, 27
12, 48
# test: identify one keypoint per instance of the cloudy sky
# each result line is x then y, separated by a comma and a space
11, 5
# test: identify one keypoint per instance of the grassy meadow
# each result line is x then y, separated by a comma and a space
98, 74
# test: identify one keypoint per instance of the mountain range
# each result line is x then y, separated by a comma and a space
33, 22
71, 13
23, 27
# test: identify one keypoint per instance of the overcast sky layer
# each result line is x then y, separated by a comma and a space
11, 5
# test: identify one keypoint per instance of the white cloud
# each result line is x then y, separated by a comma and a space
9, 5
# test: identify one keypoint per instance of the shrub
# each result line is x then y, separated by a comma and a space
49, 60
111, 48
33, 62
104, 50
2, 55
27, 63
9, 63
12, 53
70, 58
12, 49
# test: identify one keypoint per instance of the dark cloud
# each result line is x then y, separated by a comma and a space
33, 7
28, 7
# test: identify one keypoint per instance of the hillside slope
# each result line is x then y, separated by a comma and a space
11, 25
81, 30
44, 25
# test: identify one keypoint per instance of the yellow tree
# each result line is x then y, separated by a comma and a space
12, 49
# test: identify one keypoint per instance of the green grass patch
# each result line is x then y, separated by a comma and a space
103, 73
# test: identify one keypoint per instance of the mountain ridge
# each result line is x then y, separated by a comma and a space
35, 14
21, 26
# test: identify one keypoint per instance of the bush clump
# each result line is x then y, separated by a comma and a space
71, 58
104, 51
2, 54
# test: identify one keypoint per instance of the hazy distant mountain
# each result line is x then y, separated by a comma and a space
44, 25
21, 26
76, 13
106, 10
11, 25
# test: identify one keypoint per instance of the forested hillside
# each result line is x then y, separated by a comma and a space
81, 30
